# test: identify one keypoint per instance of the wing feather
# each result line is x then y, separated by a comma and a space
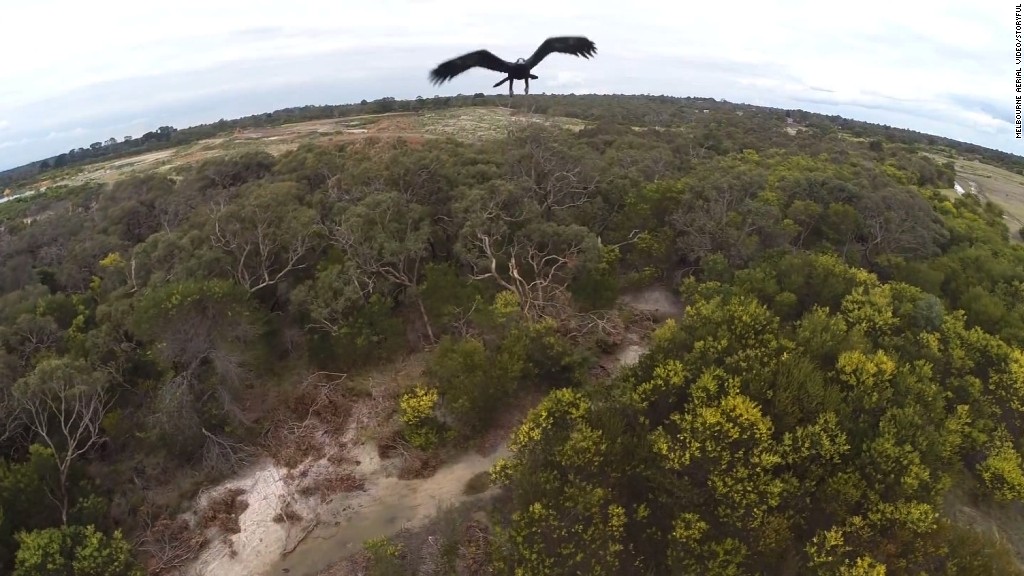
574, 45
482, 58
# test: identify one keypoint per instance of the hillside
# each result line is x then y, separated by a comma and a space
588, 335
638, 110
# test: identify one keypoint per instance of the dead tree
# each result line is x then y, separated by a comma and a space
169, 544
64, 402
386, 237
556, 180
221, 455
265, 242
537, 272
34, 334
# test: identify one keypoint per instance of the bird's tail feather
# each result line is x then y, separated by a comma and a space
500, 83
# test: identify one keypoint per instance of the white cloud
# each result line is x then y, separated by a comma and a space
945, 64
568, 79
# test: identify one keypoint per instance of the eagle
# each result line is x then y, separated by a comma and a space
518, 70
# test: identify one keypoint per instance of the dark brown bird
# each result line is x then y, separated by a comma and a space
518, 70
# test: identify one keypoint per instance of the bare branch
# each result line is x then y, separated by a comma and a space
633, 237
387, 237
168, 543
223, 456
557, 181
63, 403
538, 277
264, 249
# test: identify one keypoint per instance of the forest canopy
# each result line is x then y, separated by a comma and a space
850, 357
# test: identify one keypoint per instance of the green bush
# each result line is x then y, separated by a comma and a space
74, 551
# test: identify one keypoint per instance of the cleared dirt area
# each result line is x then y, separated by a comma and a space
288, 522
472, 123
998, 185
1002, 187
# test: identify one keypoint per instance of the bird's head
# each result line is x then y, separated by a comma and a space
521, 61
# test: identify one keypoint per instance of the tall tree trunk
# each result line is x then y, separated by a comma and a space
426, 320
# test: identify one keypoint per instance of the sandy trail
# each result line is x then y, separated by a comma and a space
332, 530
386, 507
261, 540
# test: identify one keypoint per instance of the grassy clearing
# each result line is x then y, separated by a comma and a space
1001, 186
850, 137
950, 193
485, 122
468, 123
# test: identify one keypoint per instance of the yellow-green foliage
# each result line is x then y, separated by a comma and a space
863, 566
112, 260
79, 550
506, 304
805, 415
385, 556
1003, 470
416, 410
382, 546
742, 437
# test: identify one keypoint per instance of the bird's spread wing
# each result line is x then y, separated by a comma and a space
482, 58
575, 45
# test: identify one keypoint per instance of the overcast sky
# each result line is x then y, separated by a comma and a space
76, 72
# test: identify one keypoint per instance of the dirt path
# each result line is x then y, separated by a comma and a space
388, 505
322, 532
329, 531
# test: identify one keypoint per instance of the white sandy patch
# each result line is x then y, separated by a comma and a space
658, 301
333, 529
630, 354
261, 540
329, 530
386, 506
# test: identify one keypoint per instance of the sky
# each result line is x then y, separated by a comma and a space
72, 73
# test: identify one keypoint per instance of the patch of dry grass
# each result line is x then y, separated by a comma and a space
169, 544
481, 122
222, 511
310, 419
329, 483
467, 123
418, 464
375, 412
287, 515
1001, 186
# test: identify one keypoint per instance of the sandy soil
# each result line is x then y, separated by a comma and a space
388, 505
658, 301
261, 540
327, 528
1001, 186
469, 123
333, 528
